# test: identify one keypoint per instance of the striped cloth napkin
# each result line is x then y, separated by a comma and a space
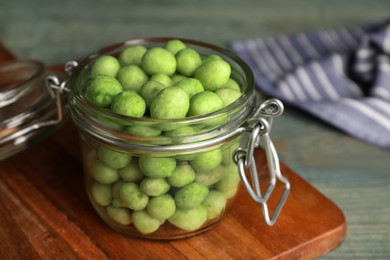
341, 76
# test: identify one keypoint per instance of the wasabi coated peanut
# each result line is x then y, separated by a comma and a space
228, 152
177, 77
140, 130
190, 85
228, 95
105, 65
228, 185
115, 188
114, 159
144, 223
154, 186
132, 55
169, 103
128, 103
213, 74
101, 193
232, 84
158, 60
149, 90
162, 78
204, 102
131, 172
119, 215
132, 197
207, 161
132, 77
214, 203
188, 60
211, 57
109, 122
181, 131
189, 219
103, 173
212, 177
191, 195
102, 90
156, 167
175, 46
161, 207
183, 175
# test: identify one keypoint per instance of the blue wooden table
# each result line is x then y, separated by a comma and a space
353, 174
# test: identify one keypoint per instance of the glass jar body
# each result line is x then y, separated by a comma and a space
159, 195
161, 182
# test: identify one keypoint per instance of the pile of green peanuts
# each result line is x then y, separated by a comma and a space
166, 82
146, 191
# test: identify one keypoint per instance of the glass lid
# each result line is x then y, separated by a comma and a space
28, 113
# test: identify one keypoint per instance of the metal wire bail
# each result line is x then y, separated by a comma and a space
260, 124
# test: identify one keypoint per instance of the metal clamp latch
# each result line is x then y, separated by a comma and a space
260, 124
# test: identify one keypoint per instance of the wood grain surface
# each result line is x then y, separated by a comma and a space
46, 214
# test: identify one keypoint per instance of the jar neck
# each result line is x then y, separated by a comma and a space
211, 130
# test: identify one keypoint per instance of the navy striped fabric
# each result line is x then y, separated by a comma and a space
341, 76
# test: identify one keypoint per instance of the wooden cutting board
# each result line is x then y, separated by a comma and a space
45, 213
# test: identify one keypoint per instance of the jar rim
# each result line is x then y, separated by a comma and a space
26, 106
20, 81
114, 48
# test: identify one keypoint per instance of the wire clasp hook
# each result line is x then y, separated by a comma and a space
261, 124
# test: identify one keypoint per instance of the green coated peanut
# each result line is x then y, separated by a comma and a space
154, 186
158, 60
190, 85
149, 90
213, 74
156, 167
103, 173
189, 219
214, 203
211, 57
229, 183
144, 223
174, 46
171, 102
132, 197
131, 172
163, 79
212, 177
132, 55
128, 103
188, 60
182, 176
101, 193
140, 130
115, 188
204, 102
119, 215
232, 84
132, 77
105, 65
228, 95
102, 90
207, 161
177, 77
191, 195
112, 158
161, 207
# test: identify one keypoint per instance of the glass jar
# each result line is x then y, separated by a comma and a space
28, 113
171, 178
